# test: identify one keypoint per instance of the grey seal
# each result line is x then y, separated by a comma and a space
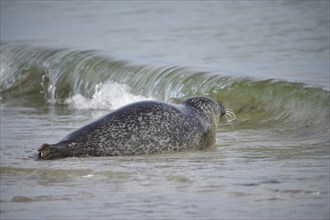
143, 128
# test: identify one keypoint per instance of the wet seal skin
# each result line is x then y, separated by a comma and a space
143, 128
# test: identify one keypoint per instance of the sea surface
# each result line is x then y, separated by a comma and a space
67, 63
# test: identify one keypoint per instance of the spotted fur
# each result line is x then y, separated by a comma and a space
143, 128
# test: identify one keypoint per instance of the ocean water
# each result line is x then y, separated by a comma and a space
64, 64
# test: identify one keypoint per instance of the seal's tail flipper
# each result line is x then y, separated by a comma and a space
44, 150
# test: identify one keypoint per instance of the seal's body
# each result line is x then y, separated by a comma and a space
143, 128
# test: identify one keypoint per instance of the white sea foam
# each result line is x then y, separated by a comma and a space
107, 96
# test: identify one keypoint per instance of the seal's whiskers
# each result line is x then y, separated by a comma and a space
231, 117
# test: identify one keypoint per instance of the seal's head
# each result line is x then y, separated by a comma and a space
208, 106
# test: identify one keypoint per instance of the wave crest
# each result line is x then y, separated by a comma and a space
89, 80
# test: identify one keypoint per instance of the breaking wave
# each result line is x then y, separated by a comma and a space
91, 80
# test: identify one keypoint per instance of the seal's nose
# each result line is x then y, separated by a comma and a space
222, 110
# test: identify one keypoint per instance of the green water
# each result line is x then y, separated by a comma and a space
267, 61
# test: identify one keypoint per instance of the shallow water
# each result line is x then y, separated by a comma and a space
259, 59
249, 173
